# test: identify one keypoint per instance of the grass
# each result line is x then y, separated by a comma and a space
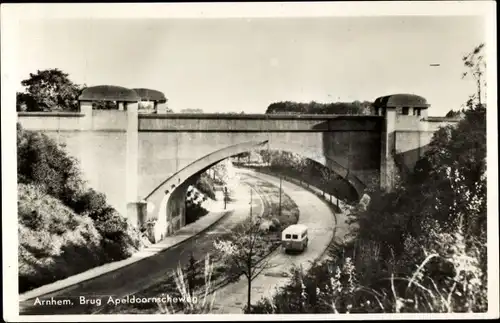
289, 211
341, 285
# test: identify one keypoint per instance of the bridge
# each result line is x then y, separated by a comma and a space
145, 162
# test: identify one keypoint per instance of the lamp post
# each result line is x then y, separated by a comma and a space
225, 197
176, 151
279, 210
251, 201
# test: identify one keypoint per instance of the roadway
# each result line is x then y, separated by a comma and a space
321, 222
148, 271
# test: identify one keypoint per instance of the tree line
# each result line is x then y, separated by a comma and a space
290, 107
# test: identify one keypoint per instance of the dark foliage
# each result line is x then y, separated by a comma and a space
288, 107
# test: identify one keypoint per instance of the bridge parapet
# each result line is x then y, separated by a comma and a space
53, 121
257, 123
86, 119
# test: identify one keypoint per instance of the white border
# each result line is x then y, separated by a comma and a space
13, 14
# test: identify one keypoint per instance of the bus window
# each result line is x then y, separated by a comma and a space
287, 236
295, 236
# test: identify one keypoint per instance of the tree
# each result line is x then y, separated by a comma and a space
476, 65
25, 102
51, 90
326, 177
266, 156
245, 154
191, 111
245, 250
453, 114
438, 215
288, 107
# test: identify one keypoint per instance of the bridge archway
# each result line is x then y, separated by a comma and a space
164, 201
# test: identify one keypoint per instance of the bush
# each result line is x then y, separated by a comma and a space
206, 185
40, 160
194, 212
120, 239
54, 242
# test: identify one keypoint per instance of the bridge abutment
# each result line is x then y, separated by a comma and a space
387, 165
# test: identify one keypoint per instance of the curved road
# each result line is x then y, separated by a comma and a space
316, 215
140, 275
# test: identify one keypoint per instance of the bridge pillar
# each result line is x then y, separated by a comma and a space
387, 164
86, 109
161, 108
137, 213
132, 180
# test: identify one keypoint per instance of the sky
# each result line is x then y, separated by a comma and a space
240, 64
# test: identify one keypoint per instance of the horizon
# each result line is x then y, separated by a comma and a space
246, 64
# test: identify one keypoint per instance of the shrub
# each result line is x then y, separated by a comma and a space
194, 212
54, 242
205, 184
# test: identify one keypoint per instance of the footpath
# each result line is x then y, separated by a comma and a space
323, 226
204, 223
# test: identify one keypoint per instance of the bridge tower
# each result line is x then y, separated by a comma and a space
125, 119
400, 111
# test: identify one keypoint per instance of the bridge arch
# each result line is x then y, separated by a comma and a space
164, 201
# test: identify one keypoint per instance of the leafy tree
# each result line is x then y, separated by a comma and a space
454, 114
243, 155
266, 156
205, 184
25, 102
50, 90
243, 251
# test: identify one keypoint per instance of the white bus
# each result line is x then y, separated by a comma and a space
295, 237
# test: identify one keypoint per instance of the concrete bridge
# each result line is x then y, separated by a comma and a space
136, 158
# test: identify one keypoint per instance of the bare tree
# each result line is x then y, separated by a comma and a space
475, 62
245, 250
